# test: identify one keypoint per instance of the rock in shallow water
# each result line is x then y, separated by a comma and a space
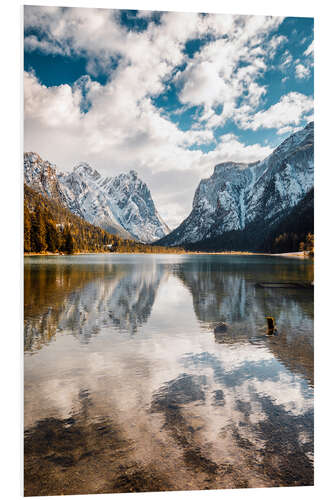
221, 328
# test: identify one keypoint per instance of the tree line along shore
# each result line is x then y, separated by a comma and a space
50, 229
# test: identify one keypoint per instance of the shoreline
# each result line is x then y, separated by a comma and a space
293, 255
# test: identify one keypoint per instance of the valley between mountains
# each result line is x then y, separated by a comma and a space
261, 206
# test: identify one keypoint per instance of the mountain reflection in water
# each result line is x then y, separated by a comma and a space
84, 299
121, 355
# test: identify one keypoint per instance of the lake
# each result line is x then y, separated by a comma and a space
128, 388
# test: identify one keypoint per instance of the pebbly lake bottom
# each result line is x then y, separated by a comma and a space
128, 388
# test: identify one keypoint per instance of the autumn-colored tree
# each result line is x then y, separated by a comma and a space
27, 229
52, 237
38, 230
309, 244
55, 228
68, 241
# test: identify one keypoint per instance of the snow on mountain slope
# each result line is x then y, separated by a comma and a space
238, 194
122, 205
124, 199
287, 177
41, 176
84, 199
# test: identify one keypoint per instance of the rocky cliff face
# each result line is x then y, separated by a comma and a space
41, 176
237, 194
122, 205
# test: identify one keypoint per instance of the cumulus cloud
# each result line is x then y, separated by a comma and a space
290, 110
302, 71
116, 127
119, 133
226, 69
288, 129
73, 31
274, 43
231, 149
32, 43
51, 106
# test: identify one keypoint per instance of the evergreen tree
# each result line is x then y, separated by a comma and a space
52, 237
69, 242
38, 231
309, 244
27, 229
53, 228
40, 228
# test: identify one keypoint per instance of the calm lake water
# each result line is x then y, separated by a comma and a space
128, 388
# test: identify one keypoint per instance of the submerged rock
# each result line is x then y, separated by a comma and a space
271, 328
221, 328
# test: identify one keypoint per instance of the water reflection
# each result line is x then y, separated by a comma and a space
228, 293
82, 300
79, 454
268, 408
150, 398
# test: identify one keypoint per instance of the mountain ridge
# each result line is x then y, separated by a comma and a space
121, 205
240, 196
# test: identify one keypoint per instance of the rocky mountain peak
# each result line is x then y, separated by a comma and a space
42, 176
122, 205
84, 169
239, 194
133, 174
229, 165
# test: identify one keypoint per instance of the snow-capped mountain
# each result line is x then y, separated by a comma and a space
239, 194
124, 200
42, 176
122, 205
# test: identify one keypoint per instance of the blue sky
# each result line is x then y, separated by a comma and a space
167, 94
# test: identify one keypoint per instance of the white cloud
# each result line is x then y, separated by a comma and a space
226, 69
57, 106
32, 43
286, 61
275, 43
302, 71
290, 110
116, 127
231, 149
142, 139
147, 58
309, 51
288, 130
97, 34
309, 118
74, 30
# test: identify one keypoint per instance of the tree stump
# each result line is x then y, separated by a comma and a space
271, 328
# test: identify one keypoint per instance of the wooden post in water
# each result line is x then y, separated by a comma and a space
270, 325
